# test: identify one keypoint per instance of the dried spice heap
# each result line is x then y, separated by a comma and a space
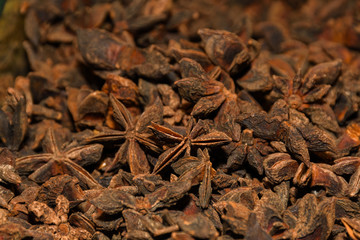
191, 119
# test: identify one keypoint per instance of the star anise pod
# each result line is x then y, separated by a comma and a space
226, 50
199, 170
352, 227
7, 167
307, 93
202, 88
310, 218
13, 120
349, 166
196, 134
133, 136
56, 161
105, 50
249, 149
293, 128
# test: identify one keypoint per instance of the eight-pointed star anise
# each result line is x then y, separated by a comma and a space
133, 135
196, 134
56, 161
307, 93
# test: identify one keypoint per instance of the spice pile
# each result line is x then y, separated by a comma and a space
191, 119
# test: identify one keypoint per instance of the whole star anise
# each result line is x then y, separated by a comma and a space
197, 134
56, 161
132, 137
307, 93
201, 88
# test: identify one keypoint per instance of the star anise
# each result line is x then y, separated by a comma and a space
121, 55
201, 88
210, 95
13, 120
196, 134
7, 170
56, 161
352, 227
226, 50
133, 136
307, 93
198, 170
349, 166
292, 128
249, 149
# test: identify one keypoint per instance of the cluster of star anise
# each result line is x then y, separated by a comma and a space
165, 119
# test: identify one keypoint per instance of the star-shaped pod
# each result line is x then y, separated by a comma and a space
196, 134
200, 87
307, 93
208, 94
249, 149
56, 161
133, 136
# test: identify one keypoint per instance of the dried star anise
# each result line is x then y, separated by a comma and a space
196, 134
198, 170
307, 93
7, 167
201, 88
220, 119
56, 161
13, 119
133, 135
210, 95
293, 128
247, 148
